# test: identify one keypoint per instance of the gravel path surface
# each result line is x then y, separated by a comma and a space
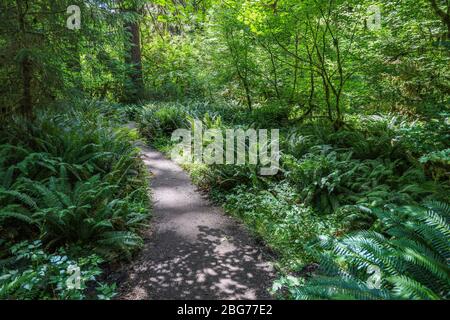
192, 249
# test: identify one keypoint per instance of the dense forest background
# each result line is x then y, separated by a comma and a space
359, 89
320, 57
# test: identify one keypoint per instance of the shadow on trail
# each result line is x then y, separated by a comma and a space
192, 249
214, 267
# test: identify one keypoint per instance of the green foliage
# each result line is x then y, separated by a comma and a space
86, 214
362, 110
76, 180
331, 183
276, 214
438, 164
155, 121
411, 258
72, 181
58, 62
173, 68
31, 273
327, 180
371, 163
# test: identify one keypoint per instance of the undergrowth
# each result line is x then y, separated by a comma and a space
332, 185
72, 185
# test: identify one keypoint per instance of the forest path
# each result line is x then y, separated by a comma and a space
192, 249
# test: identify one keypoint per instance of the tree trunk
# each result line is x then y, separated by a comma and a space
26, 103
135, 87
445, 16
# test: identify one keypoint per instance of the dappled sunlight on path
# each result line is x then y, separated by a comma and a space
192, 250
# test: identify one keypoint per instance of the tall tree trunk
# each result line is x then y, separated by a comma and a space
26, 106
133, 59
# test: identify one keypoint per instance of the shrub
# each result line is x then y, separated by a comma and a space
271, 116
277, 215
155, 121
31, 273
411, 259
437, 164
69, 180
329, 178
349, 174
75, 183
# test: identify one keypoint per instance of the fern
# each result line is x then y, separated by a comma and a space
413, 266
13, 212
76, 178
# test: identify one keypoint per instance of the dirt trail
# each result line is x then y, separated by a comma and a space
192, 250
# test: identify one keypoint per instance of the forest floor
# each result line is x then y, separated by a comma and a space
192, 249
